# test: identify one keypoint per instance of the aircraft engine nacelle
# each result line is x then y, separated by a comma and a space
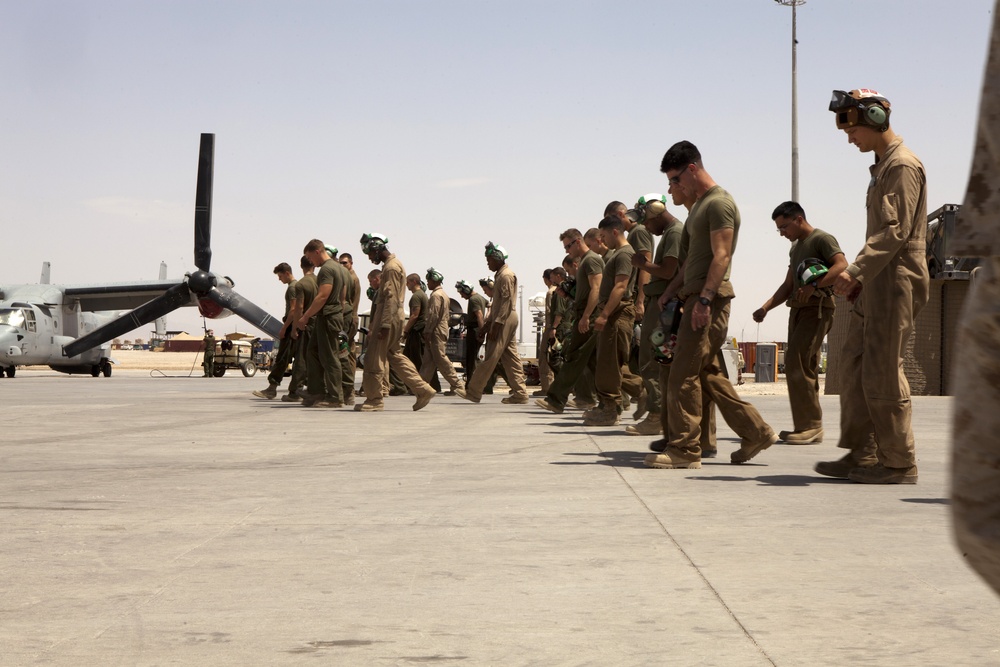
202, 282
91, 356
212, 310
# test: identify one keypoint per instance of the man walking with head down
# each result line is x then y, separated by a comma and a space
384, 352
501, 334
708, 243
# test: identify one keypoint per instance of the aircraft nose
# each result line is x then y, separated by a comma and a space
9, 345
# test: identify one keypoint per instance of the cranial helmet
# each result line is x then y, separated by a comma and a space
486, 282
343, 345
862, 106
568, 287
464, 288
810, 270
496, 251
371, 292
373, 242
331, 250
650, 206
435, 275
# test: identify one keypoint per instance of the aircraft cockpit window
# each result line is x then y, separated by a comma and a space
29, 320
15, 317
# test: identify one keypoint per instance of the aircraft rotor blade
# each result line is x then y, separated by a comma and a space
203, 204
173, 298
248, 310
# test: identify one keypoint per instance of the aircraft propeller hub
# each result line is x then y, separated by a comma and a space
201, 282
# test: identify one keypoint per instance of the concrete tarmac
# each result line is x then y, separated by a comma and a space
179, 521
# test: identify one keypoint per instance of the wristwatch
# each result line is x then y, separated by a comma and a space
703, 301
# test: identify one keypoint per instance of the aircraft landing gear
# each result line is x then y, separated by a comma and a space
103, 367
10, 371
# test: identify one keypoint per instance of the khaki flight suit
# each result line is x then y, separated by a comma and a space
976, 376
892, 267
436, 339
503, 348
384, 351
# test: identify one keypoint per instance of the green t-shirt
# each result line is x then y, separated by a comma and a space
819, 245
714, 211
418, 300
332, 273
561, 307
289, 297
641, 240
477, 304
305, 289
669, 246
590, 264
618, 262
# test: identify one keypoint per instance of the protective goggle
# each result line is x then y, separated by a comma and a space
859, 107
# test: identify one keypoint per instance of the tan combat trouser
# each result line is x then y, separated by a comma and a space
323, 370
976, 457
384, 353
436, 359
614, 343
708, 441
502, 350
874, 393
579, 356
807, 327
647, 365
695, 371
299, 372
545, 372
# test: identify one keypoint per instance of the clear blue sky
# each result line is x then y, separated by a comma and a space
447, 124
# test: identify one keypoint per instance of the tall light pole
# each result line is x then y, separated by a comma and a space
795, 103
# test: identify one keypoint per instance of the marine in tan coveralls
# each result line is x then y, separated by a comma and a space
384, 351
976, 376
436, 335
501, 334
810, 317
888, 283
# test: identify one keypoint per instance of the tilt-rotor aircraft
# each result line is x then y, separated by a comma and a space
68, 327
